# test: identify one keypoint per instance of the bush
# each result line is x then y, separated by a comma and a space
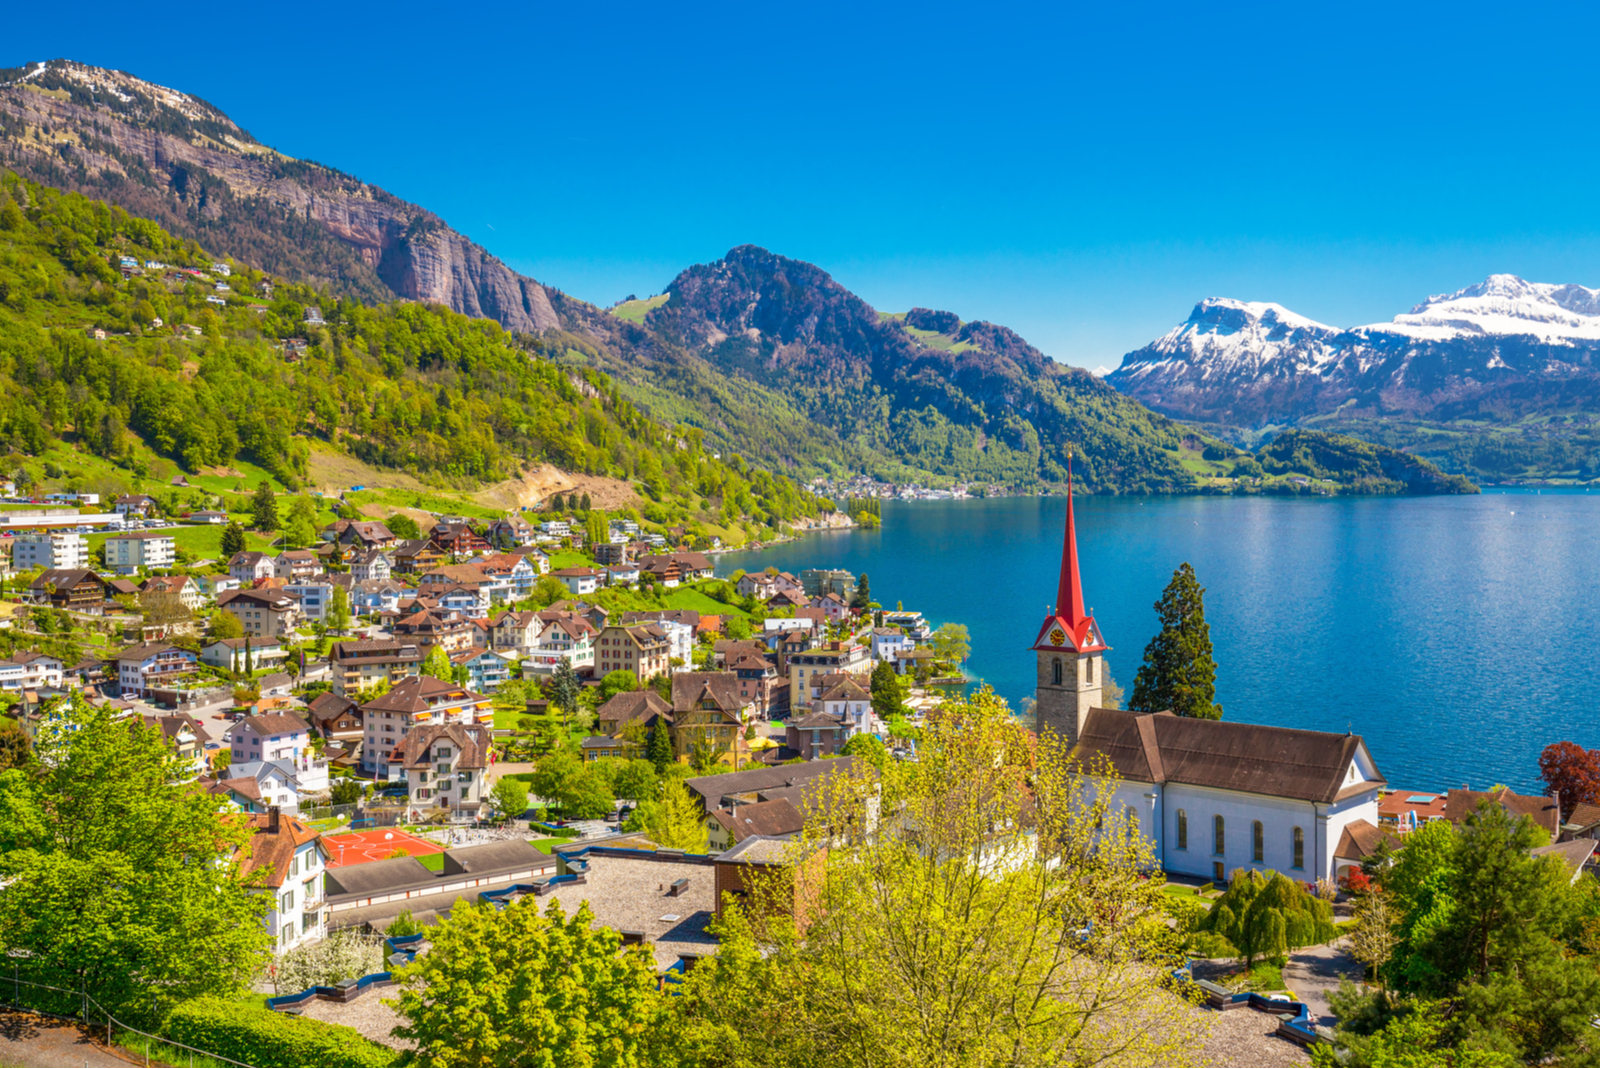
1211, 945
257, 1036
1186, 911
344, 955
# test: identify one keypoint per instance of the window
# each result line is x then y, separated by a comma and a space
286, 901
1216, 872
1258, 836
1299, 848
286, 936
1183, 830
1055, 671
1088, 669
1217, 835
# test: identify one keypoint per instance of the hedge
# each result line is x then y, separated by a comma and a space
258, 1036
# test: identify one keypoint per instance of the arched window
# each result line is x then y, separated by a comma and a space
1299, 849
1183, 830
1133, 819
1088, 669
1055, 671
1216, 835
1258, 842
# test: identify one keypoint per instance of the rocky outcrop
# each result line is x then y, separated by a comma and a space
173, 158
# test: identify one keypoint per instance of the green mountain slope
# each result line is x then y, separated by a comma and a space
201, 374
1360, 467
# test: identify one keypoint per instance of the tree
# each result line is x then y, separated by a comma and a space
952, 643
1572, 774
863, 595
595, 527
15, 749
869, 748
1178, 671
164, 609
514, 987
675, 822
617, 682
886, 703
737, 628
584, 504
1373, 939
298, 532
547, 591
510, 797
557, 505
437, 664
226, 625
264, 508
402, 526
117, 869
1266, 914
232, 540
339, 611
249, 669
935, 954
346, 791
636, 781
659, 750
565, 688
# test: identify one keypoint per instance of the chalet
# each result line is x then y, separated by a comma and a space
268, 613
371, 564
708, 711
359, 534
511, 531
418, 554
578, 581
335, 718
565, 637
76, 589
362, 664
458, 539
249, 565
183, 587
435, 627
642, 708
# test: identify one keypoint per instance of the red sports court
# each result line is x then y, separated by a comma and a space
374, 844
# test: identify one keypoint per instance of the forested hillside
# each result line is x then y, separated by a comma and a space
199, 366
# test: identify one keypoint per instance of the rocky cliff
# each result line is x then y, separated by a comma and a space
180, 161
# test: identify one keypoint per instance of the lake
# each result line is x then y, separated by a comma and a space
1458, 635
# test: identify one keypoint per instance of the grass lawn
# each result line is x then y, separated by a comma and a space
431, 862
569, 558
506, 719
689, 598
548, 846
635, 311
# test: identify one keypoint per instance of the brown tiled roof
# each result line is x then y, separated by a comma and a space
415, 694
143, 650
265, 858
268, 724
1253, 758
1542, 811
170, 584
415, 750
712, 789
779, 817
633, 705
329, 706
458, 574
1585, 814
845, 690
689, 688
65, 578
1574, 853
1360, 840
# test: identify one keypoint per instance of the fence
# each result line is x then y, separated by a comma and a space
48, 1000
328, 812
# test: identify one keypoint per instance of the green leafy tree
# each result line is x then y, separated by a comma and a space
346, 791
437, 664
264, 508
617, 682
659, 750
509, 797
553, 773
869, 748
636, 781
402, 526
1179, 672
1266, 914
225, 624
886, 701
116, 869
952, 643
675, 821
547, 591
298, 532
514, 987
15, 749
233, 540
596, 529
339, 611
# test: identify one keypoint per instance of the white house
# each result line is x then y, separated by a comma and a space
287, 861
315, 595
887, 643
126, 553
578, 581
248, 565
281, 738
149, 665
229, 653
29, 671
48, 549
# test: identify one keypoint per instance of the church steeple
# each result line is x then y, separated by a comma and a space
1069, 648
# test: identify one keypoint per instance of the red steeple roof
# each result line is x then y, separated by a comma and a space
1078, 629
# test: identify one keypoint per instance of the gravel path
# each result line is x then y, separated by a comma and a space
1243, 1038
367, 1015
1314, 974
44, 1042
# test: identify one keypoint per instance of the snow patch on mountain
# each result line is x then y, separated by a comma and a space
1503, 305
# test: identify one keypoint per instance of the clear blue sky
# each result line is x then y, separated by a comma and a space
1082, 173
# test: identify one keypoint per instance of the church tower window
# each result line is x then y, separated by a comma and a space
1088, 670
1217, 837
1055, 671
1258, 841
1299, 848
1183, 830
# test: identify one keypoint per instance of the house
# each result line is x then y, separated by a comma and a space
269, 613
818, 581
286, 860
209, 516
565, 637
510, 531
1403, 812
359, 665
141, 505
486, 589
335, 718
764, 783
123, 588
912, 623
842, 709
356, 535
757, 585
707, 711
151, 665
130, 551
771, 863
690, 567
621, 575
314, 594
229, 653
680, 626
413, 702
536, 558
187, 739
578, 581
369, 564
759, 683
832, 607
417, 554
889, 641
26, 670
443, 767
371, 597
777, 819
515, 631
255, 786
486, 669
1542, 812
76, 589
835, 657
643, 649
435, 627
458, 539
181, 587
294, 564
60, 550
639, 708
270, 737
249, 565
514, 574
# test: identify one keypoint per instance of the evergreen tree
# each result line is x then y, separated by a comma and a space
232, 539
565, 688
248, 671
555, 504
584, 504
1178, 671
863, 596
659, 750
886, 692
264, 508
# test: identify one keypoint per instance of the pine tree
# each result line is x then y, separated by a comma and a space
584, 504
863, 596
886, 692
264, 507
232, 539
659, 750
1179, 672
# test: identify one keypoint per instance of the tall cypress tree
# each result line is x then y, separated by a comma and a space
264, 507
1178, 671
659, 749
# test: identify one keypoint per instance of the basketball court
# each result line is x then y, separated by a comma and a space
375, 844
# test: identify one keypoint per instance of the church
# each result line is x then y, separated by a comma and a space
1211, 796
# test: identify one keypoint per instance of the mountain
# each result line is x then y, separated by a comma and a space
172, 157
1498, 351
127, 353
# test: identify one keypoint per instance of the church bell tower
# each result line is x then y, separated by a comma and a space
1069, 649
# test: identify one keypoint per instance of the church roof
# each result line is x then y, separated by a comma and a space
1070, 627
1252, 758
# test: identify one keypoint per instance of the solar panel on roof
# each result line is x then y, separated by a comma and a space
1421, 799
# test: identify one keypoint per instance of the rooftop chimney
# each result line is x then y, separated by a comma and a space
272, 819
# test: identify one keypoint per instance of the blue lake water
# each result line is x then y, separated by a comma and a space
1459, 635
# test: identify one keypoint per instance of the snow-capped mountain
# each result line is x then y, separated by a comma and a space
1502, 348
